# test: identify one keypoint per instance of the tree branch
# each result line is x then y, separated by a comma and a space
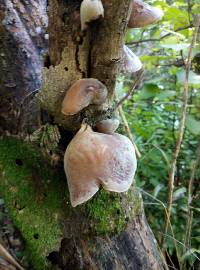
135, 83
128, 131
161, 38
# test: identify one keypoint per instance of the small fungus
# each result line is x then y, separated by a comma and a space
131, 63
83, 93
143, 14
107, 126
90, 10
95, 159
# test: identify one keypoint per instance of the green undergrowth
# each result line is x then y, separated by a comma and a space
34, 196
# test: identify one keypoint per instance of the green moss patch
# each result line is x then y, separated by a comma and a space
38, 202
35, 197
110, 212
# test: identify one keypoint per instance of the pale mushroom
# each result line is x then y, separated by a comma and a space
107, 126
131, 63
95, 159
90, 10
143, 14
83, 93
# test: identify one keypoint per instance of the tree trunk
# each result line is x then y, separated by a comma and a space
110, 231
22, 44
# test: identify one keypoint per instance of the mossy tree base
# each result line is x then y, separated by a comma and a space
34, 197
38, 201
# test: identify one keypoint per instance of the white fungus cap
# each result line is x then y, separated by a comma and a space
90, 10
95, 159
131, 63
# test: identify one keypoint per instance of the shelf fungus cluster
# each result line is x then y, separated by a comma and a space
98, 156
95, 158
142, 14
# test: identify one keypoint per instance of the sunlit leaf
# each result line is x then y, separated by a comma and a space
149, 90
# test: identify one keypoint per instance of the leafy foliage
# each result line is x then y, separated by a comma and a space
153, 114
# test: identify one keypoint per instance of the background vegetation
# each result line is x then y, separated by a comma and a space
153, 113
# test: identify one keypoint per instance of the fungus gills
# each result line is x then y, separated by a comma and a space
95, 159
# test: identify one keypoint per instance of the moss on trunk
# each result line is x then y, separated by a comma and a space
38, 202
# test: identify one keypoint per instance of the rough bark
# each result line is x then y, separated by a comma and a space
72, 56
132, 249
22, 43
97, 53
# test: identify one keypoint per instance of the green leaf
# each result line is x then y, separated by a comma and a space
192, 125
149, 90
177, 17
179, 193
157, 189
191, 251
166, 94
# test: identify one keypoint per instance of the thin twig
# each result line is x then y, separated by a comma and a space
181, 130
6, 256
170, 225
135, 83
159, 39
190, 198
191, 181
128, 131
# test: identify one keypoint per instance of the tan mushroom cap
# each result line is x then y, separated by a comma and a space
143, 14
90, 10
93, 159
107, 126
131, 63
83, 93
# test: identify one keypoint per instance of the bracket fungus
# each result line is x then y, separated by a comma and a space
95, 159
90, 10
83, 93
107, 126
143, 14
131, 63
